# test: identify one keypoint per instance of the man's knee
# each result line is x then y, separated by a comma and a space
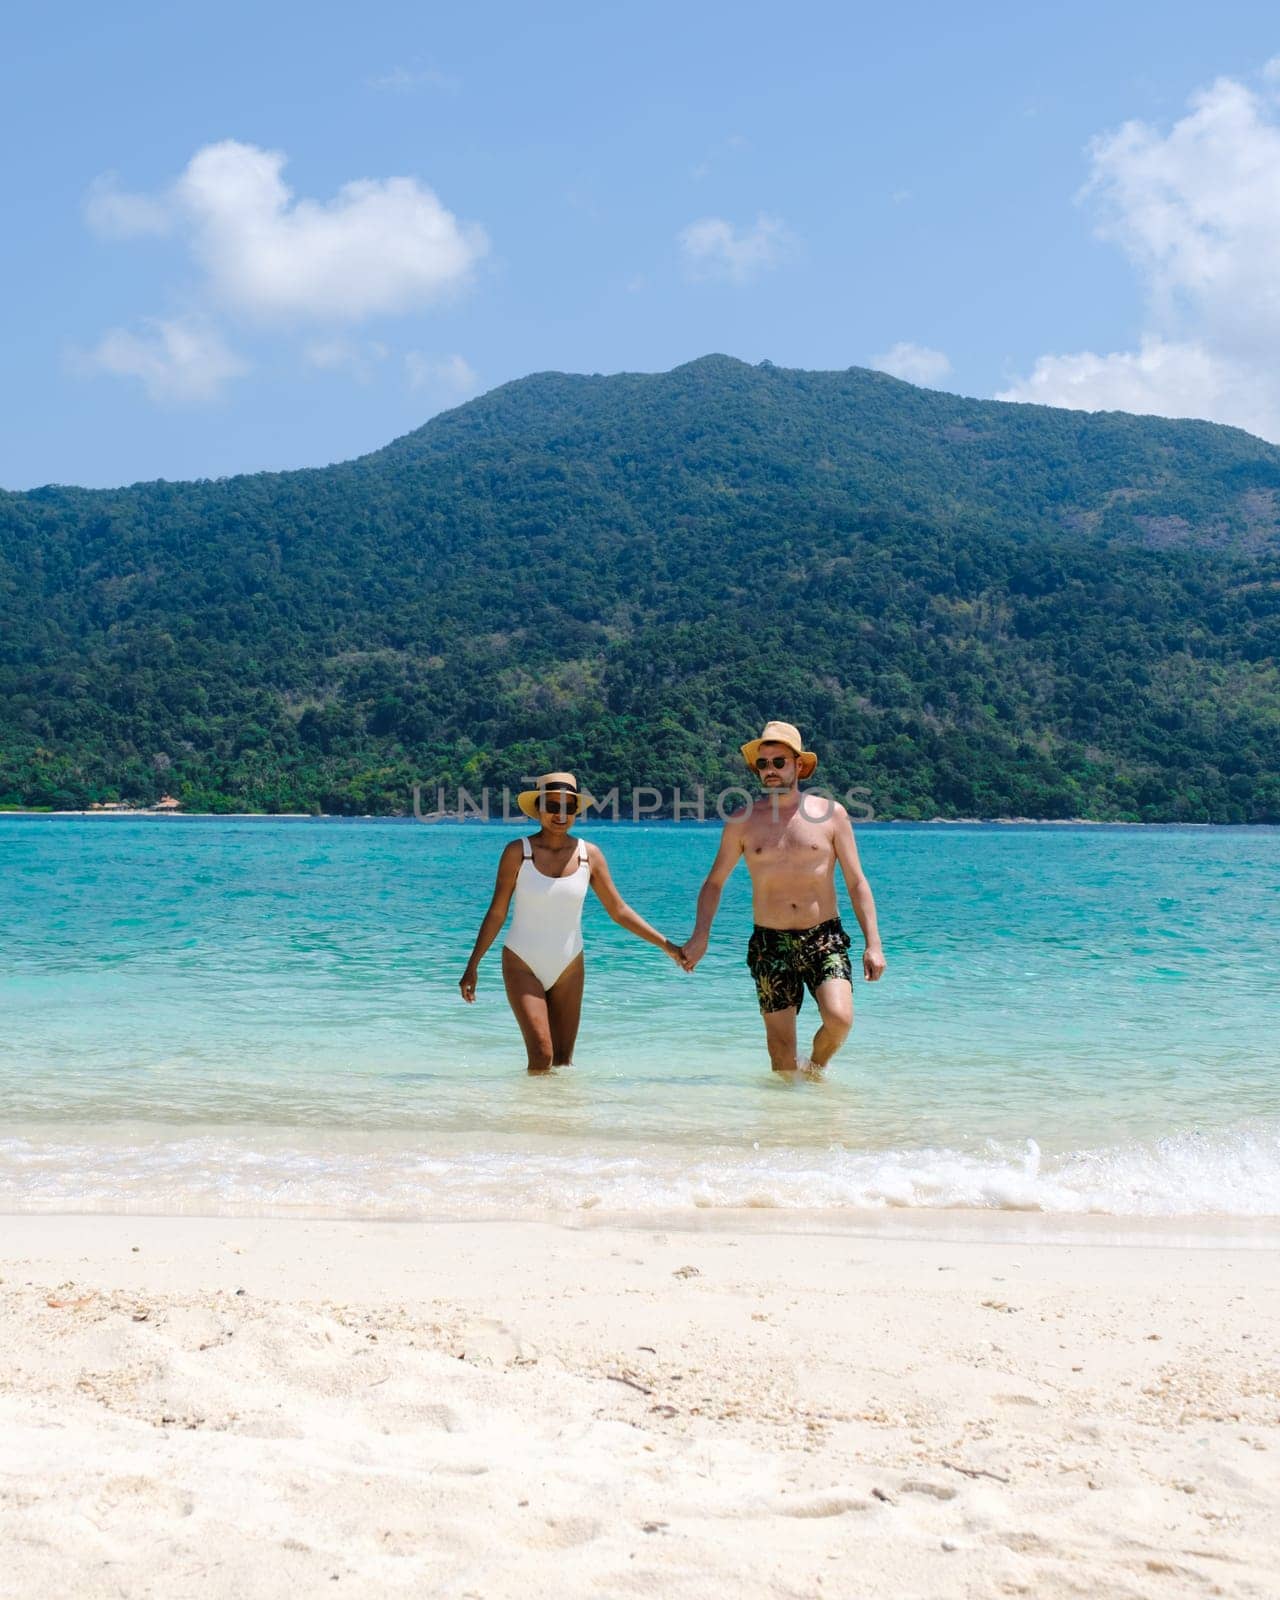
837, 1015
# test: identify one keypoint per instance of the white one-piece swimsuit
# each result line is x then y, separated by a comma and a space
546, 927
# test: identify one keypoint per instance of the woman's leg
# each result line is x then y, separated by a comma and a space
528, 999
564, 1010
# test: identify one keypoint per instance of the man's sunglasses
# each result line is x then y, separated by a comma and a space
763, 763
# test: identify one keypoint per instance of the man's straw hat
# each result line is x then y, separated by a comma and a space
557, 783
782, 733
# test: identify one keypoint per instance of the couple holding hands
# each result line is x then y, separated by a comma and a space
792, 845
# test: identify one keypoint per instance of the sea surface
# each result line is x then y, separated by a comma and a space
261, 1017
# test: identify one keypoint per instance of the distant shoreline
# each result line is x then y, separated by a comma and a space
142, 811
479, 822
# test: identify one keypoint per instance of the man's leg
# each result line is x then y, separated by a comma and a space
771, 957
835, 1003
780, 1036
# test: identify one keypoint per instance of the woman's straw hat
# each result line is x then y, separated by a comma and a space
558, 783
782, 733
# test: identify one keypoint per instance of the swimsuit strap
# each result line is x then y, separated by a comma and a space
582, 853
527, 850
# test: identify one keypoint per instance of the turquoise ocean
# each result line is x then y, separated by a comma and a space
261, 1017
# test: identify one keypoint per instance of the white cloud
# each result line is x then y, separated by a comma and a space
380, 246
713, 248
358, 358
917, 363
181, 361
1162, 377
1197, 211
451, 373
115, 214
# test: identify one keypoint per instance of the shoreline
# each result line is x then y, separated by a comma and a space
220, 1408
915, 1225
647, 821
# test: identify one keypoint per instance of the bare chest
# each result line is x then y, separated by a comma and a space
788, 845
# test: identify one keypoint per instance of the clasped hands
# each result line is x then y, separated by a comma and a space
687, 956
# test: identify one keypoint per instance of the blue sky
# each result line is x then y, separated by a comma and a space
251, 237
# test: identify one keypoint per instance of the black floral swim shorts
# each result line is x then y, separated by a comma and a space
786, 961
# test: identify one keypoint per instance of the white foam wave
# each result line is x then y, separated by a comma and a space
1234, 1174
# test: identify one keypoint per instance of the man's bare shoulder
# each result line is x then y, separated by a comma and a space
822, 808
825, 809
729, 849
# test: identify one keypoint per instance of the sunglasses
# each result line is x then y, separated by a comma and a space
763, 763
561, 803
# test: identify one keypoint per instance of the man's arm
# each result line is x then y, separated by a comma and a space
864, 906
727, 858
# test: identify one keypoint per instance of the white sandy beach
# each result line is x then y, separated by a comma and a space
207, 1407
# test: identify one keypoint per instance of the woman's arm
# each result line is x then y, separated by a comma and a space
494, 917
621, 912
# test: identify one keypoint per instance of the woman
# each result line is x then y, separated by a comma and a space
542, 966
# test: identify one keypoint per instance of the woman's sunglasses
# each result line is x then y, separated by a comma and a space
763, 763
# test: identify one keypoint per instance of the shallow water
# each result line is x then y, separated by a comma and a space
261, 1015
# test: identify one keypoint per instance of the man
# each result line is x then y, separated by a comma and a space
792, 843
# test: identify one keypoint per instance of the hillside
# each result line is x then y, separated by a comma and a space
971, 607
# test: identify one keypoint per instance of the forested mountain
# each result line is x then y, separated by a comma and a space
972, 608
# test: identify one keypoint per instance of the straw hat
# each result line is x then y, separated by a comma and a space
556, 783
782, 733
